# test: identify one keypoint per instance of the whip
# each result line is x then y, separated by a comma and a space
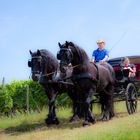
117, 42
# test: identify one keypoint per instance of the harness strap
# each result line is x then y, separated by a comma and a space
98, 78
98, 75
82, 75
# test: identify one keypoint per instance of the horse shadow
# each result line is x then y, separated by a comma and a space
41, 126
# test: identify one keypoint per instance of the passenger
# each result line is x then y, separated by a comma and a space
100, 55
131, 67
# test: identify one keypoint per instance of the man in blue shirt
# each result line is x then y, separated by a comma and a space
100, 54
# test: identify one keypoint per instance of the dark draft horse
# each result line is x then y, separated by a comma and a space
44, 69
89, 79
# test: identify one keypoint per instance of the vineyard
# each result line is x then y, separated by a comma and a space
26, 95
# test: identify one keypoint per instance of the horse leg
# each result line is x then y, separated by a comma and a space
52, 119
75, 116
111, 102
104, 105
78, 111
72, 94
55, 120
89, 117
80, 108
106, 99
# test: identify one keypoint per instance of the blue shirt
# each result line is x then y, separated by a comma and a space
100, 54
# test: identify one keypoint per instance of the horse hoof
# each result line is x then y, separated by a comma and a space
92, 121
112, 115
56, 121
49, 121
86, 124
105, 118
74, 119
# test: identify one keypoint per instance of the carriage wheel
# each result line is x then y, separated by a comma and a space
131, 98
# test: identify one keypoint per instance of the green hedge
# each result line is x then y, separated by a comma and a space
13, 97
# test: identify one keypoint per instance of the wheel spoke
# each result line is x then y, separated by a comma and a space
132, 90
135, 105
133, 108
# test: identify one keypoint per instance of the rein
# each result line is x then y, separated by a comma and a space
75, 66
48, 74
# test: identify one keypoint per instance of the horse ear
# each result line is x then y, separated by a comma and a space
59, 44
67, 44
71, 43
30, 52
38, 52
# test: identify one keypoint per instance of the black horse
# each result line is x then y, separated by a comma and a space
44, 69
89, 79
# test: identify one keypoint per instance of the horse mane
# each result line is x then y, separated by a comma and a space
83, 57
50, 59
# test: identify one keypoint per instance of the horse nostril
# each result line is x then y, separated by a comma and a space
34, 77
62, 69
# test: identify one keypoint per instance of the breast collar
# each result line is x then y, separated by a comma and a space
87, 75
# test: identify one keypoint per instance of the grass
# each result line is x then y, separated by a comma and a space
32, 126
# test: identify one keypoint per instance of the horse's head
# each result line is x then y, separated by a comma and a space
65, 56
36, 65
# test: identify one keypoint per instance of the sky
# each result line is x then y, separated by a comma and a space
40, 24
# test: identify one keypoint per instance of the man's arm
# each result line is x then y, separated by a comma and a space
93, 56
92, 59
105, 58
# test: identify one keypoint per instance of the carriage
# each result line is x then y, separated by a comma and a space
127, 89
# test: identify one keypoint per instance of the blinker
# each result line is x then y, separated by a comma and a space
29, 64
58, 56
